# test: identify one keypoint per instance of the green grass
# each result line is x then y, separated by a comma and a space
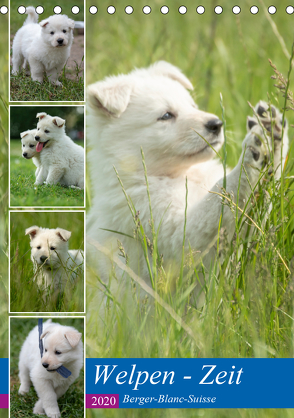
31, 298
71, 404
22, 88
23, 192
248, 308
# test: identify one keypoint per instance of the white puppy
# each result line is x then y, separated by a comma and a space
28, 148
55, 266
44, 46
62, 347
62, 161
151, 109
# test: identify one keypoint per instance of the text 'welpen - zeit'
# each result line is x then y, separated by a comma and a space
136, 378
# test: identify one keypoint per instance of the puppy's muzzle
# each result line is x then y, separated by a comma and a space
214, 126
25, 155
37, 138
60, 41
46, 365
43, 258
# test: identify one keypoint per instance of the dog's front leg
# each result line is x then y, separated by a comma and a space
37, 70
53, 76
54, 175
47, 399
41, 175
203, 219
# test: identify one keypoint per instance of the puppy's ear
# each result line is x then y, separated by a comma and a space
169, 70
41, 115
250, 123
44, 334
73, 337
71, 23
111, 96
44, 23
23, 134
58, 121
63, 234
32, 231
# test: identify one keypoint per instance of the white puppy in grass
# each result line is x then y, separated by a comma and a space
62, 347
56, 267
151, 109
44, 46
28, 148
62, 161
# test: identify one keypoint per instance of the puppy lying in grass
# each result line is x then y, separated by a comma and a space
62, 347
44, 46
61, 159
56, 267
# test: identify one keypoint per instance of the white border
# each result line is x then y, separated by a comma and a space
47, 317
85, 155
56, 102
9, 258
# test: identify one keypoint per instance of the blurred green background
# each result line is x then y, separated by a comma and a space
16, 19
24, 118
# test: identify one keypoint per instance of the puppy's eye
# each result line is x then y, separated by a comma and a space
45, 350
57, 352
64, 31
52, 248
51, 33
167, 116
39, 247
23, 145
32, 146
38, 129
46, 131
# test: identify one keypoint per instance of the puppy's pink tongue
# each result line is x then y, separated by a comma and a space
39, 146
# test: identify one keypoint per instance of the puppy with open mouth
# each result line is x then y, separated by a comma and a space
62, 347
44, 46
28, 148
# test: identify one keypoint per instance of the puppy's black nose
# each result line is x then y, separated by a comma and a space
214, 126
60, 41
24, 154
37, 138
43, 258
45, 365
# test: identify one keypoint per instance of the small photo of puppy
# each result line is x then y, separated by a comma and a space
42, 47
50, 170
55, 266
47, 259
52, 373
61, 160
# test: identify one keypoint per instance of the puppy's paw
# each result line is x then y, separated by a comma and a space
256, 150
56, 83
53, 412
38, 408
23, 389
274, 124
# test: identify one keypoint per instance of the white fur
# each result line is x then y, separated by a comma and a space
62, 161
124, 115
48, 384
28, 148
55, 266
45, 46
